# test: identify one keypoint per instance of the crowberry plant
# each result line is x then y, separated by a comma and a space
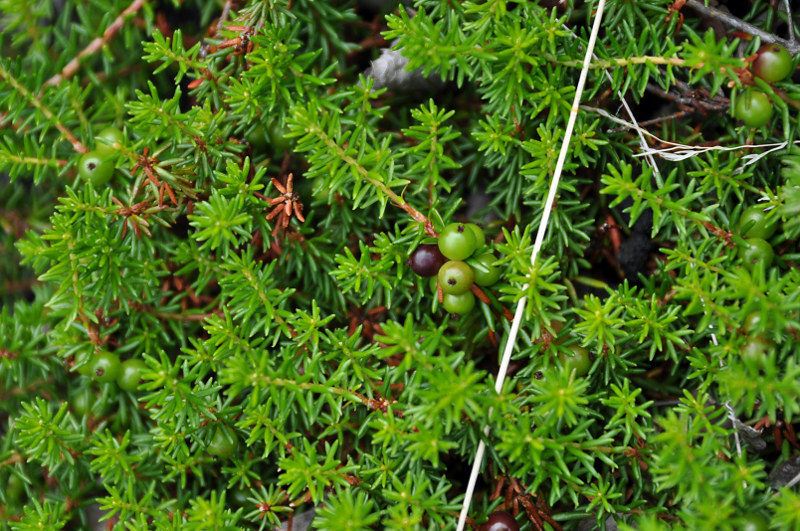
233, 197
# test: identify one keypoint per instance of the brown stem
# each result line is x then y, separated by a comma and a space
95, 45
184, 316
785, 97
226, 9
655, 121
790, 20
396, 199
46, 112
12, 460
688, 99
480, 294
739, 24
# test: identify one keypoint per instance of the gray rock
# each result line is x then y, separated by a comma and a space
300, 521
787, 474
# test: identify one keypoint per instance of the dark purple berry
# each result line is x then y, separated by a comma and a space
426, 260
500, 521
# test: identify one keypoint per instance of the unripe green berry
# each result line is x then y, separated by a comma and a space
756, 250
774, 63
755, 224
754, 522
578, 360
105, 367
223, 444
486, 273
96, 167
480, 237
753, 108
455, 277
460, 304
130, 374
108, 141
457, 241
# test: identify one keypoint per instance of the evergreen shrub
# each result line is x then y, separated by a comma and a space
212, 321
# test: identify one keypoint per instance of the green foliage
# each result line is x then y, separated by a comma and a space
290, 358
347, 511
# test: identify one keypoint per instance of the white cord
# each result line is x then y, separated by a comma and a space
678, 152
537, 245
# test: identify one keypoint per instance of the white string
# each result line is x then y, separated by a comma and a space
646, 150
731, 413
728, 408
537, 245
678, 152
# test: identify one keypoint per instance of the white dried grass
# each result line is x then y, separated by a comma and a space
677, 152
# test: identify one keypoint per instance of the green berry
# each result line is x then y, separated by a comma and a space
460, 304
754, 108
239, 497
486, 273
319, 188
455, 277
277, 138
130, 374
577, 360
258, 137
756, 250
457, 241
82, 401
774, 63
108, 140
223, 444
480, 237
83, 363
754, 223
105, 367
96, 167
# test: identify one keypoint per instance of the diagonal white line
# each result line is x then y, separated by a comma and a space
537, 245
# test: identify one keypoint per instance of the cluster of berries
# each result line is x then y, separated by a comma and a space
757, 225
457, 262
106, 367
773, 63
98, 165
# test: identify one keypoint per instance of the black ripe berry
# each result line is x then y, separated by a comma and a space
426, 260
500, 521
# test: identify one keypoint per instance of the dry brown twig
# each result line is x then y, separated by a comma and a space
711, 12
94, 46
